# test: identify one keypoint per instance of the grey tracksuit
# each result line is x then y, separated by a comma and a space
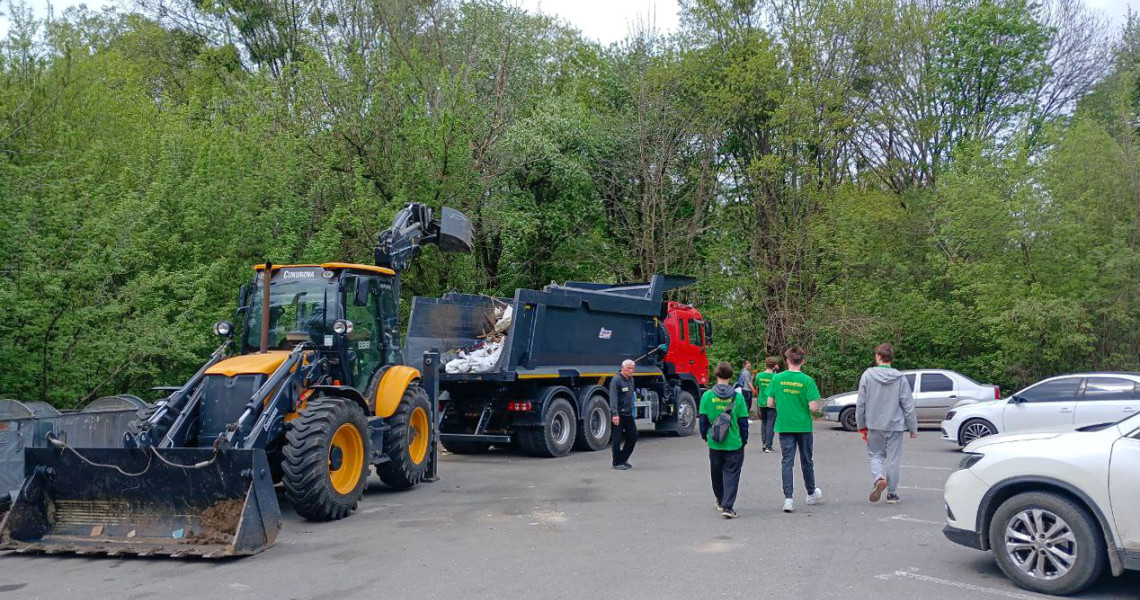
885, 408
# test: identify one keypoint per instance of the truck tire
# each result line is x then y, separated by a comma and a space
684, 423
595, 427
408, 440
556, 436
325, 460
462, 447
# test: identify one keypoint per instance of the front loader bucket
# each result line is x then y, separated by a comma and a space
123, 501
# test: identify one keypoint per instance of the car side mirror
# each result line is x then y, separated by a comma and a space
1015, 399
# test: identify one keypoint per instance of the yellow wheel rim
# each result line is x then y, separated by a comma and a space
418, 431
350, 445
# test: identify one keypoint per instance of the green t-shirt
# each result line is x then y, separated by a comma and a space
793, 392
762, 381
712, 405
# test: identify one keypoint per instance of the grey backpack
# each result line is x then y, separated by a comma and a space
723, 423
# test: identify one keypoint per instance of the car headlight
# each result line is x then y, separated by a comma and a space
969, 460
950, 415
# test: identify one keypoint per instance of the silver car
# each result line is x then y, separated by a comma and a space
936, 391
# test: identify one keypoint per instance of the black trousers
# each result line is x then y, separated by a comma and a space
768, 426
725, 467
624, 438
747, 398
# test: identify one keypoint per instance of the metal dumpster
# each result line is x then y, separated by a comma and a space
100, 424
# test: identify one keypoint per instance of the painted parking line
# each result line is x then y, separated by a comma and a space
907, 519
958, 584
921, 489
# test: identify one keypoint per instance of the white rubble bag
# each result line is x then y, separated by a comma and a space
485, 357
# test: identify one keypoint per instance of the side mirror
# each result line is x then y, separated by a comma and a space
708, 333
1015, 399
360, 291
243, 295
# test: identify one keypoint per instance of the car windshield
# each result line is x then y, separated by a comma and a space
297, 299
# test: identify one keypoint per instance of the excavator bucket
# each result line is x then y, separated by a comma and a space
120, 501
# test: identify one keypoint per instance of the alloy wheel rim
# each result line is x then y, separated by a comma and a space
976, 430
1041, 544
685, 415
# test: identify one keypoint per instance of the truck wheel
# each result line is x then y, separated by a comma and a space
461, 447
1046, 543
594, 428
847, 419
407, 440
556, 436
686, 415
325, 459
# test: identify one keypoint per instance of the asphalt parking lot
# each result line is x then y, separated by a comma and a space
504, 526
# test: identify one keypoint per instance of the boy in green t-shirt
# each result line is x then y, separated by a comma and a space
767, 415
794, 395
726, 457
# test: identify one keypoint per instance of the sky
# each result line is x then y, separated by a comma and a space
604, 20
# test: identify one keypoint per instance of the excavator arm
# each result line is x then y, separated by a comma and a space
416, 226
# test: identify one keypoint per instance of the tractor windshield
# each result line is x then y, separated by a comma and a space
297, 301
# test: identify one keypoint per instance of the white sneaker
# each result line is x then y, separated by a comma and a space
789, 506
815, 497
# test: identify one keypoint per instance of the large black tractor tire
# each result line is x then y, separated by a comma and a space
595, 427
464, 447
556, 436
324, 467
407, 441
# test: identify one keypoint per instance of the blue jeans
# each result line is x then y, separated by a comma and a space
789, 442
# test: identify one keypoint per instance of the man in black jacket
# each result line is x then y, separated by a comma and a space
624, 434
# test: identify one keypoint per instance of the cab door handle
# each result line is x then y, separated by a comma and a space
1066, 410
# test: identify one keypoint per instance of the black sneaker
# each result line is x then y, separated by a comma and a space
893, 498
728, 513
627, 465
621, 467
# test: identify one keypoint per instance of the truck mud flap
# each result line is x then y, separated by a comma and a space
118, 501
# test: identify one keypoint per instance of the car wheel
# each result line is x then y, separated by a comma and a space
974, 429
1047, 543
847, 419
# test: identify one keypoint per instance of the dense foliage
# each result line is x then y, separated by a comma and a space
959, 177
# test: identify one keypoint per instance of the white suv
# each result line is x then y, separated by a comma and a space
1054, 507
1063, 402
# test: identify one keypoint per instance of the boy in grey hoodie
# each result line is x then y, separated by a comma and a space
883, 411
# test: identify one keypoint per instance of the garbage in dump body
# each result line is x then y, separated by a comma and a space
483, 357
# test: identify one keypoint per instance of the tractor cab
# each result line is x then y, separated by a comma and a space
348, 312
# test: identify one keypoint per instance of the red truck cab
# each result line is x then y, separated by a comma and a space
689, 337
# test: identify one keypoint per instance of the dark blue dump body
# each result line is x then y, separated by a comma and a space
579, 327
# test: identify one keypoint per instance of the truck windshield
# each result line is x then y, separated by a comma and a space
297, 301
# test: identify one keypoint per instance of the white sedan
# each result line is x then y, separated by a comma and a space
935, 391
1058, 402
1055, 508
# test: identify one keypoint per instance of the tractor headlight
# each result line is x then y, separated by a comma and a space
342, 327
223, 328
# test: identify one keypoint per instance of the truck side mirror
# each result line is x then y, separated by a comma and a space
360, 291
243, 295
708, 333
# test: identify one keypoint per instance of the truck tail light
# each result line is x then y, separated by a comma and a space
519, 406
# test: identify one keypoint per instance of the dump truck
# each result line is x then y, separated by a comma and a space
546, 391
311, 390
